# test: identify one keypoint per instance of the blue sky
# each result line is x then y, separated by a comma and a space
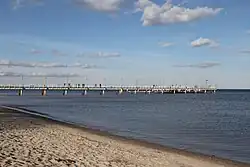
117, 41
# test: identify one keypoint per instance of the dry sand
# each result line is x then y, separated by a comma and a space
27, 140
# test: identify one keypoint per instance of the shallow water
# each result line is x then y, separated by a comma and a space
215, 124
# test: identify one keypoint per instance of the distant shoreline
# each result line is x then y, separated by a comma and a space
127, 140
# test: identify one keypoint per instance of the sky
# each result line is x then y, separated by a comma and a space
125, 42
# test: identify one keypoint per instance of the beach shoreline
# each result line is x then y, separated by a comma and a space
122, 146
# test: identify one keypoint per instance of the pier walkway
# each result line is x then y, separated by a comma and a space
102, 89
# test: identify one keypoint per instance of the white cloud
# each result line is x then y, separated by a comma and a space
52, 75
245, 51
166, 44
56, 52
9, 74
154, 14
200, 65
204, 42
35, 51
21, 3
8, 63
100, 55
100, 5
83, 66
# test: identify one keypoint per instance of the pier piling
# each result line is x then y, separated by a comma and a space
102, 92
84, 93
44, 92
120, 91
65, 92
20, 92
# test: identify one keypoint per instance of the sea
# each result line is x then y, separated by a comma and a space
213, 124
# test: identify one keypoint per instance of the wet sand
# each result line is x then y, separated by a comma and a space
27, 140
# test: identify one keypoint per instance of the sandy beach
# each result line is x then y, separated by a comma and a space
27, 140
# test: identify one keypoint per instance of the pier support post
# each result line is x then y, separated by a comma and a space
102, 92
174, 91
120, 91
84, 93
205, 91
44, 92
135, 92
20, 92
65, 92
